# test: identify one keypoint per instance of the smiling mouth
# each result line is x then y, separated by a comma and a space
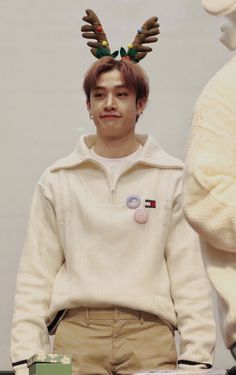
110, 116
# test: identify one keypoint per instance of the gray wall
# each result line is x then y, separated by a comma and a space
43, 60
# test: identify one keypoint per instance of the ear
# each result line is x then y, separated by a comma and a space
141, 105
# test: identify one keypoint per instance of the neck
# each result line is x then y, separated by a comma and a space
116, 148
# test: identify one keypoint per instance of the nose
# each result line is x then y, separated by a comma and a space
110, 102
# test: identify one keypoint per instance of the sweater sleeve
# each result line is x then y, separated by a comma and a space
41, 259
191, 292
210, 177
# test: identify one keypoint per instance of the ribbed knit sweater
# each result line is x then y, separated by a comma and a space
210, 188
84, 248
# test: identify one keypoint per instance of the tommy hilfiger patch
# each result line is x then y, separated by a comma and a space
150, 203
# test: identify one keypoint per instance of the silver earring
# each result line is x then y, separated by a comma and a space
90, 116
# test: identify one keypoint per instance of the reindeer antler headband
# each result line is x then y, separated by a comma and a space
136, 50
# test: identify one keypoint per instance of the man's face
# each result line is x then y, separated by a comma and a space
113, 106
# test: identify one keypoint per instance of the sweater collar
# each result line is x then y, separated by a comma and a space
152, 154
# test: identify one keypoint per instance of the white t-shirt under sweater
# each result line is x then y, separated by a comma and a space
115, 165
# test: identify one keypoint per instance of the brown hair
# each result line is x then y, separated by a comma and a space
134, 76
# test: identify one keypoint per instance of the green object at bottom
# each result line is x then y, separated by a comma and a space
50, 369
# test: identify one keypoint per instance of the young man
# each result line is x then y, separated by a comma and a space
108, 249
210, 175
110, 262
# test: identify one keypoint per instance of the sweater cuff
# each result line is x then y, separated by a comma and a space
184, 364
21, 370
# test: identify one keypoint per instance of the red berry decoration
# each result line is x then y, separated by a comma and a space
99, 29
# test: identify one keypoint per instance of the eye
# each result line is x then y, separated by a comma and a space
122, 94
98, 95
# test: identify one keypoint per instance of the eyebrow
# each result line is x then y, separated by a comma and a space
116, 87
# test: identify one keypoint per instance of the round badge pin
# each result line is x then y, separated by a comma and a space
133, 201
141, 216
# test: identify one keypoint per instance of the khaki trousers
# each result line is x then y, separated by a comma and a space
115, 341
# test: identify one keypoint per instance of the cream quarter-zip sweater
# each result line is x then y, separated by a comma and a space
210, 188
84, 248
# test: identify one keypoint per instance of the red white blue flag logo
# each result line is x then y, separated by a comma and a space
150, 203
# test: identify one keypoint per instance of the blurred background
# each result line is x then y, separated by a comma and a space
42, 105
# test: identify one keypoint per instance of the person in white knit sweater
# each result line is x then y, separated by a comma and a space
110, 264
210, 186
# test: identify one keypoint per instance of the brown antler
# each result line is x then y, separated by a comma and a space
95, 31
146, 35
